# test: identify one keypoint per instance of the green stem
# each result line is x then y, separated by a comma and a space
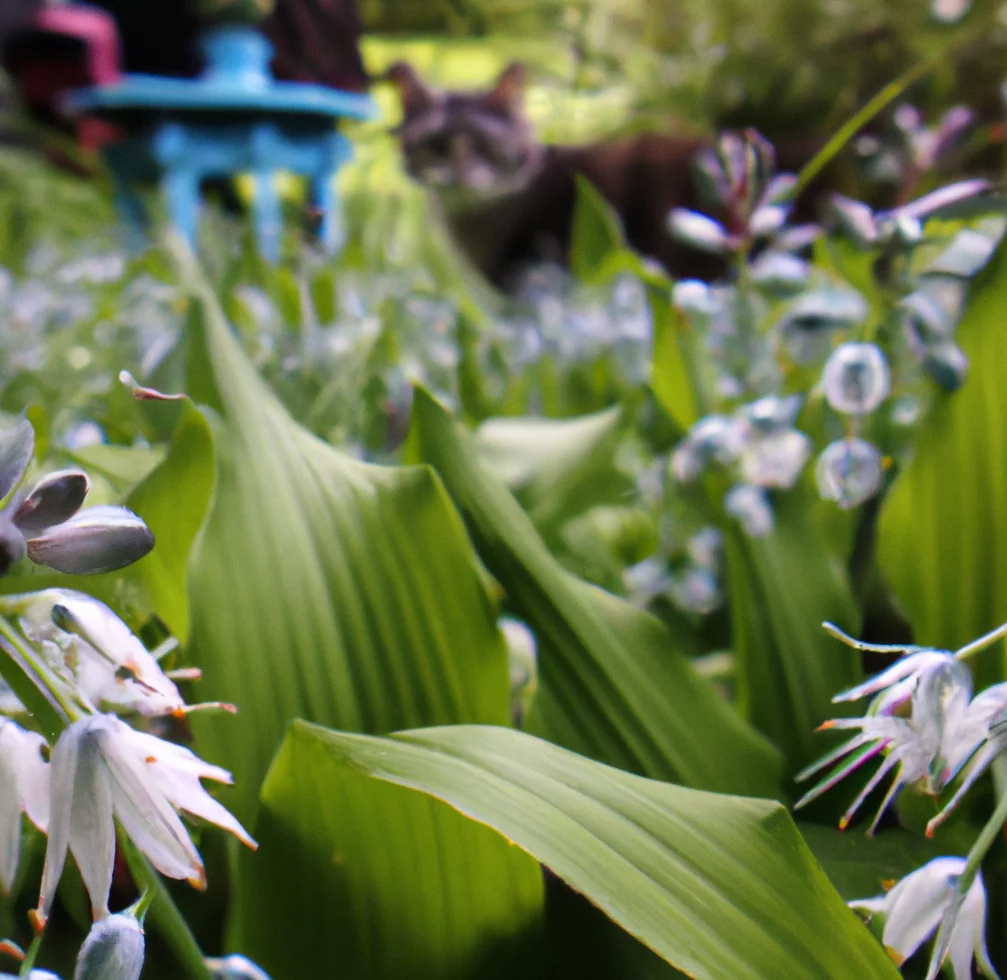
983, 843
20, 667
965, 880
880, 101
165, 918
982, 643
29, 958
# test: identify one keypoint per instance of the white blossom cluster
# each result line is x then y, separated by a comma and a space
928, 728
783, 337
77, 690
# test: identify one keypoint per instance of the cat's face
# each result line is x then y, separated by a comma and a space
466, 144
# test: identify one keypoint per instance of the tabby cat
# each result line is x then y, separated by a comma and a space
508, 199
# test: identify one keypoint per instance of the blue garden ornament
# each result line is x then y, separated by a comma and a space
234, 118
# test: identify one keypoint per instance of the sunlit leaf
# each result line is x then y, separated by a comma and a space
722, 887
556, 468
596, 231
173, 500
321, 587
371, 880
614, 684
782, 587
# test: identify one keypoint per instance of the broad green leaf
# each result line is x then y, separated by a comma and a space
321, 587
942, 536
324, 588
782, 587
723, 888
613, 683
556, 468
173, 500
596, 231
365, 879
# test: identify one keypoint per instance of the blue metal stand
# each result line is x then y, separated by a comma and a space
235, 118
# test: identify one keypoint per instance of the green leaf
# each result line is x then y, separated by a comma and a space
365, 879
556, 468
596, 231
671, 378
782, 587
942, 536
721, 887
173, 500
860, 866
321, 587
613, 683
123, 466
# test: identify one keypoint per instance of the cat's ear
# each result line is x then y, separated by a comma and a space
415, 94
507, 96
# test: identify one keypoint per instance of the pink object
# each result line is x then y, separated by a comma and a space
45, 69
95, 28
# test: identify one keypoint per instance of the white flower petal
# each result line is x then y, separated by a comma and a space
178, 771
10, 824
92, 830
78, 773
23, 750
145, 811
971, 923
62, 775
162, 838
917, 903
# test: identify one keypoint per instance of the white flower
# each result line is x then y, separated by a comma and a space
24, 788
983, 727
45, 522
107, 662
101, 768
915, 907
113, 950
750, 506
898, 682
714, 438
935, 729
856, 378
775, 459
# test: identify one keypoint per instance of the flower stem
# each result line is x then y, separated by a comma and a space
26, 675
29, 958
982, 844
972, 863
885, 97
982, 643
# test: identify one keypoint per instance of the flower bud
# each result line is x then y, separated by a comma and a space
855, 219
54, 499
17, 443
699, 231
99, 539
856, 379
113, 950
750, 506
235, 967
849, 472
